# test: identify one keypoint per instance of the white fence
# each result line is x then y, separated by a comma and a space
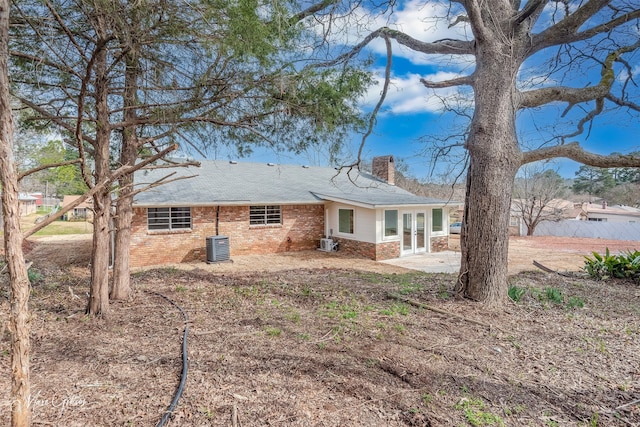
590, 229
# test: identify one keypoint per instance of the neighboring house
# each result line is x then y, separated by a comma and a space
27, 204
82, 212
603, 213
551, 211
268, 208
45, 203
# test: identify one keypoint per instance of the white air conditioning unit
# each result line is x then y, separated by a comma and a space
326, 245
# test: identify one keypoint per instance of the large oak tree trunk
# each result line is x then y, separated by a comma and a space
19, 296
494, 161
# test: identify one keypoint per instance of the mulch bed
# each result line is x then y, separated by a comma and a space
331, 347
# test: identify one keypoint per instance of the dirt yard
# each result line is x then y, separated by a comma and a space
315, 339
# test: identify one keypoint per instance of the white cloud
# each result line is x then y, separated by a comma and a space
424, 21
407, 94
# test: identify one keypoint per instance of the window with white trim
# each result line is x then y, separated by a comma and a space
345, 221
168, 218
390, 223
265, 215
436, 220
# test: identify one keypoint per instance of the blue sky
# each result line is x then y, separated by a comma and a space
412, 112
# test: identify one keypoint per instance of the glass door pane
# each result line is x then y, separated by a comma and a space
407, 235
420, 231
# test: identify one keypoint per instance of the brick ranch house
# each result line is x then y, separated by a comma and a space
268, 208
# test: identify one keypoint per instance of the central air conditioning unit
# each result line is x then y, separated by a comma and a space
327, 245
217, 249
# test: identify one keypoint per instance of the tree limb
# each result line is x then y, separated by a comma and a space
444, 46
566, 31
42, 167
113, 176
460, 81
475, 18
575, 152
311, 10
533, 7
53, 117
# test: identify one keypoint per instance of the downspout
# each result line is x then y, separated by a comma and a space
217, 219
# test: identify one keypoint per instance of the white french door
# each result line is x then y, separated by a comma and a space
414, 232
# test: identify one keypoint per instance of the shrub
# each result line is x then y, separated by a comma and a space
602, 267
516, 293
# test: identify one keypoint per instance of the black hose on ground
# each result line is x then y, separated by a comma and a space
185, 363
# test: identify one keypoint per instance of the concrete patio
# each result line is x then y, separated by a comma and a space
436, 262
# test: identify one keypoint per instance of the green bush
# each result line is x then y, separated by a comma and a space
602, 267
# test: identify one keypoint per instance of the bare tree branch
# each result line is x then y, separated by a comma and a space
538, 97
49, 166
311, 10
53, 117
575, 152
475, 18
532, 8
100, 186
444, 46
565, 31
460, 81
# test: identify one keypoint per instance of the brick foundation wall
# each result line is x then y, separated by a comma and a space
301, 229
372, 251
439, 244
387, 250
354, 247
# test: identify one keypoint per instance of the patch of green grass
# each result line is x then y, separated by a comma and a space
402, 309
273, 331
575, 302
518, 409
180, 288
476, 414
350, 314
248, 291
400, 328
294, 316
426, 398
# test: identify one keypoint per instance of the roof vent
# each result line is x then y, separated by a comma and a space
233, 162
271, 164
305, 166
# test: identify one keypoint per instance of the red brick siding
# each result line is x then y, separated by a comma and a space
388, 250
439, 244
372, 251
301, 229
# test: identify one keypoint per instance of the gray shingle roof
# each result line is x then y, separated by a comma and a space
226, 183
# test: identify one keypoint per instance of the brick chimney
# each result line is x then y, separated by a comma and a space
384, 169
